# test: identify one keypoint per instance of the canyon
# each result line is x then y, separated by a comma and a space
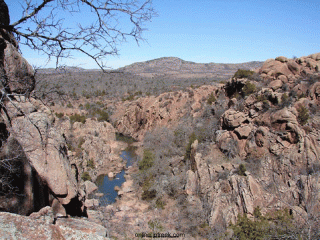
208, 154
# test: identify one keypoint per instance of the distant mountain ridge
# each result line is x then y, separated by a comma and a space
174, 65
169, 66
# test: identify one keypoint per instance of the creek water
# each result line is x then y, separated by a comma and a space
107, 185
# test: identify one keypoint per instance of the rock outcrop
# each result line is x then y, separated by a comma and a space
95, 149
286, 71
267, 140
40, 226
33, 151
137, 117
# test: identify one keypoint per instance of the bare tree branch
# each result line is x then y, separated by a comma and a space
36, 10
113, 22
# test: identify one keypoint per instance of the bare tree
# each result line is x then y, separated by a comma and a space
52, 27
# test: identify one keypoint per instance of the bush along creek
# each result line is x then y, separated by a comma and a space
108, 184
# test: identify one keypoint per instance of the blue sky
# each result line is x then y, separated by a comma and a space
220, 31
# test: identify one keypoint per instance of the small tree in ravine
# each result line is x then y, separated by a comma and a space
242, 170
303, 114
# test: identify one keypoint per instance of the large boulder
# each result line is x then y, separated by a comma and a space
233, 119
90, 187
275, 68
39, 149
284, 116
275, 84
315, 91
315, 56
46, 150
243, 131
294, 67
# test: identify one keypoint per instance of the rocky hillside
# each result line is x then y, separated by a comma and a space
249, 147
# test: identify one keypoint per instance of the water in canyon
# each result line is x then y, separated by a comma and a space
107, 185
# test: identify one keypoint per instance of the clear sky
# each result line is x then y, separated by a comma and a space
220, 31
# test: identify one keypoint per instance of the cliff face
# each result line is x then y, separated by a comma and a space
144, 114
35, 170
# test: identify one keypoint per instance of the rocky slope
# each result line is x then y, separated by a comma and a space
265, 149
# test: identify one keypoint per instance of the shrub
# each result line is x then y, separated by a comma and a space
90, 164
147, 160
155, 224
69, 105
180, 137
275, 225
257, 213
81, 141
203, 229
246, 229
285, 100
129, 98
147, 182
77, 118
248, 88
284, 97
59, 115
211, 99
87, 106
160, 204
69, 146
303, 115
242, 73
85, 176
261, 98
104, 116
149, 195
192, 138
242, 170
